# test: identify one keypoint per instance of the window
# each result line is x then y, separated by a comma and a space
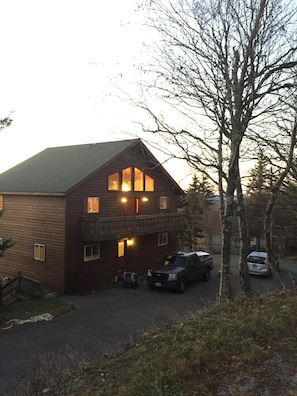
93, 205
114, 182
149, 183
121, 249
163, 202
127, 179
39, 252
138, 180
1, 202
130, 179
91, 252
162, 238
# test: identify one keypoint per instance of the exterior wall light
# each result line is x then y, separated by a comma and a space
124, 200
144, 199
130, 242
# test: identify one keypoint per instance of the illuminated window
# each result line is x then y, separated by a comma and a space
130, 179
93, 205
1, 202
39, 252
121, 249
162, 238
91, 252
149, 183
138, 179
114, 182
163, 202
137, 200
127, 179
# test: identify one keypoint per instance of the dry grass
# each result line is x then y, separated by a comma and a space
244, 347
28, 308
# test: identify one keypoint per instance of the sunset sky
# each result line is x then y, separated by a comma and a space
60, 62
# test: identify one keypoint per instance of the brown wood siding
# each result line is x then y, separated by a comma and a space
34, 219
98, 274
95, 274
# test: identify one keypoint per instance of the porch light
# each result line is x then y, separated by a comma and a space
124, 200
144, 199
130, 242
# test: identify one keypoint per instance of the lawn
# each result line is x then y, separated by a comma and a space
242, 347
30, 308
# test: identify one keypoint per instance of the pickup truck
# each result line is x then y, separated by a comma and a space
179, 269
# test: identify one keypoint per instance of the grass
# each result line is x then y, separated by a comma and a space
28, 308
243, 347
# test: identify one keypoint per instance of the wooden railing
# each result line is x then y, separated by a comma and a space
20, 287
106, 228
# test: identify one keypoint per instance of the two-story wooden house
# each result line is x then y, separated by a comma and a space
78, 214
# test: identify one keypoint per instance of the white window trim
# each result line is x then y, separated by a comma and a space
38, 245
92, 257
163, 203
163, 238
93, 198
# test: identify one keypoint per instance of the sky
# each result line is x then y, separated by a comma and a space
60, 62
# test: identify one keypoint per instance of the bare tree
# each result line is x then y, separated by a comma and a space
275, 189
5, 122
222, 66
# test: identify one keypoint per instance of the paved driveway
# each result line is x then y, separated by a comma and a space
103, 322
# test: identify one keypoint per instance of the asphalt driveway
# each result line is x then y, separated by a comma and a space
103, 322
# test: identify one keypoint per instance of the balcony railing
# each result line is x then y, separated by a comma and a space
107, 228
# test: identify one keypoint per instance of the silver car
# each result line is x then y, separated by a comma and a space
258, 264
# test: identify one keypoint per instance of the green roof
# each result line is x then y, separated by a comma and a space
58, 169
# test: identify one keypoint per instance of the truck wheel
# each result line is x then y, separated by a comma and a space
182, 285
206, 276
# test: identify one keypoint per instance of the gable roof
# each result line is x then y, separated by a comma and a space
58, 169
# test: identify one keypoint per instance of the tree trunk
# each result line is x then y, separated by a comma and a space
268, 235
244, 245
269, 209
225, 291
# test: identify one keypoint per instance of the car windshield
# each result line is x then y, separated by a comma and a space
256, 259
177, 261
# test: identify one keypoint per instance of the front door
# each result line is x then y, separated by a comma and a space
132, 206
121, 261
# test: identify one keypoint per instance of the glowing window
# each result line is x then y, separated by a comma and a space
162, 238
138, 180
93, 205
39, 252
149, 183
1, 202
91, 252
121, 249
127, 179
163, 202
114, 182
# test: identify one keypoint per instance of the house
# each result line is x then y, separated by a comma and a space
78, 215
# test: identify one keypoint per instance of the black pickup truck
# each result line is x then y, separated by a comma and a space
180, 268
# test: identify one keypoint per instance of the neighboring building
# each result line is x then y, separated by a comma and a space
212, 230
79, 214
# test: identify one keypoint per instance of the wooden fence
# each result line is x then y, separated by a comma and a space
21, 287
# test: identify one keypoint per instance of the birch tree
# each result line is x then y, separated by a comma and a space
220, 66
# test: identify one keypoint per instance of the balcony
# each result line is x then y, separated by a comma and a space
106, 228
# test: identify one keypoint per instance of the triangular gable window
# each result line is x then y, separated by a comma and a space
130, 179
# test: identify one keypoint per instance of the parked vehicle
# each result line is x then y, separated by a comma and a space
179, 269
258, 264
